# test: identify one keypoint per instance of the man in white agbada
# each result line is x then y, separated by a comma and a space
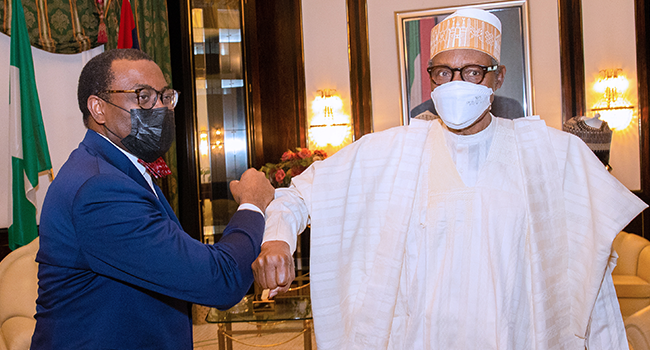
476, 232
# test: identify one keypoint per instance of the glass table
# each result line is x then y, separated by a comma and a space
283, 308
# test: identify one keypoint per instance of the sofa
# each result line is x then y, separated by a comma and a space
632, 273
18, 293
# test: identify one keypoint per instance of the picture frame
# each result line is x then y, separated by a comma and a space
413, 33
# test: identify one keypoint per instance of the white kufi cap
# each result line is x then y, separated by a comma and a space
468, 29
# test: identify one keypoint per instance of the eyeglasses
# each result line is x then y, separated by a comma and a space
148, 96
472, 73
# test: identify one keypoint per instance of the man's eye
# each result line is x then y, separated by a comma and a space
144, 96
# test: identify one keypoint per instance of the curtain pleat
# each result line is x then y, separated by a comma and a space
57, 26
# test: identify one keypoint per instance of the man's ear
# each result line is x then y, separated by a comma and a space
96, 107
501, 76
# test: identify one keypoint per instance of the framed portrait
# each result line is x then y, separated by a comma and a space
414, 31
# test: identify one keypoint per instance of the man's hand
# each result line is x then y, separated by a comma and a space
253, 188
274, 267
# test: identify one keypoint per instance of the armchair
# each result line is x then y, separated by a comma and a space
632, 273
637, 328
18, 293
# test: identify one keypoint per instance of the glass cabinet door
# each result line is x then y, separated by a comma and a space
220, 108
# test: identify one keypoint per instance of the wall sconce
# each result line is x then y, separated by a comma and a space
203, 142
214, 142
329, 127
613, 107
218, 139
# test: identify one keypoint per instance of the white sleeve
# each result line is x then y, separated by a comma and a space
250, 206
288, 214
606, 329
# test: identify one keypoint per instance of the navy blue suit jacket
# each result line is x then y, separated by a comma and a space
117, 271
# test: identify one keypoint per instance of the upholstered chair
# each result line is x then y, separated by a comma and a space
632, 273
18, 292
637, 328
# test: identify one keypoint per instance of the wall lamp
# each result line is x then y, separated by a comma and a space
207, 143
329, 127
612, 106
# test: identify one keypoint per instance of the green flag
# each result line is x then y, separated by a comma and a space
28, 145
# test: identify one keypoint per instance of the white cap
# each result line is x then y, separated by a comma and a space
468, 28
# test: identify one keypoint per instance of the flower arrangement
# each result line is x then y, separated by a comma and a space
291, 164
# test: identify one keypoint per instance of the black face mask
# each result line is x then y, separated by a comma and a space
152, 133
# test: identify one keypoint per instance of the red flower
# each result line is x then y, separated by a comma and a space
297, 170
279, 176
293, 163
288, 155
304, 153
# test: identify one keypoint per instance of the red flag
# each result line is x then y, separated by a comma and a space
128, 34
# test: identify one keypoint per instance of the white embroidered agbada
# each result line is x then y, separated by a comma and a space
406, 255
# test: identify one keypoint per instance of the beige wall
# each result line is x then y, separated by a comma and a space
609, 42
325, 27
615, 37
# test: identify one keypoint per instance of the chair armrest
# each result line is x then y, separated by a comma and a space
637, 328
17, 332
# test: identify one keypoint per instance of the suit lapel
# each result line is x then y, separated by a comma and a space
114, 156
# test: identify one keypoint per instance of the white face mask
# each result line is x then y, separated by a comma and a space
459, 103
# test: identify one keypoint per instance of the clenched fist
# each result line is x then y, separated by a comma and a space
253, 188
274, 267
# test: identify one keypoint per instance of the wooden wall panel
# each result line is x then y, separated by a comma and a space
276, 77
360, 93
642, 20
4, 243
186, 150
572, 62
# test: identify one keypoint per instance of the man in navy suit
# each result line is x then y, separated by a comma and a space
116, 270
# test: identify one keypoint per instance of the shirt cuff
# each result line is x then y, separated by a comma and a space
249, 206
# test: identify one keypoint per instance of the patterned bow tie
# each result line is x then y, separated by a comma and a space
158, 168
